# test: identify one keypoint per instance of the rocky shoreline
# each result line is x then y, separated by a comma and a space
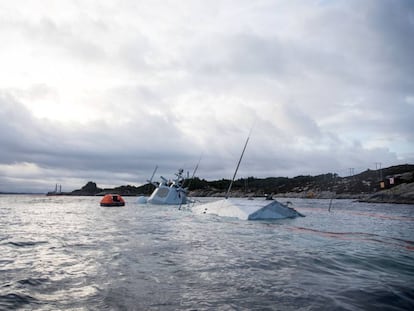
389, 185
401, 194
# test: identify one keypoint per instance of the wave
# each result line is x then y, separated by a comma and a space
33, 281
357, 213
24, 243
16, 301
382, 216
359, 236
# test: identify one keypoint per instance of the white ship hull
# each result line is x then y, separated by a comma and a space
167, 195
246, 209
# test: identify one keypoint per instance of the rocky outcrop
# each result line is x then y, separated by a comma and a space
89, 189
403, 194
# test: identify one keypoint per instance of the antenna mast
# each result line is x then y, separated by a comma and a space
238, 164
195, 170
152, 176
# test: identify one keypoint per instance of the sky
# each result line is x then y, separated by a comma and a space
104, 90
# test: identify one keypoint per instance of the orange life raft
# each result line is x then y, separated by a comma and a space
112, 200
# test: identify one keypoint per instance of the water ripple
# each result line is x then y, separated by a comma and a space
69, 253
360, 236
25, 243
33, 281
16, 301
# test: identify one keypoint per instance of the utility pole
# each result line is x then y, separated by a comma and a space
378, 165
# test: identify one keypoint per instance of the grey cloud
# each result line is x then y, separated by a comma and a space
370, 46
395, 22
99, 146
242, 53
115, 155
139, 54
68, 38
303, 124
322, 91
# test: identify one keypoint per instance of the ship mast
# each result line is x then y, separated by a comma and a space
238, 164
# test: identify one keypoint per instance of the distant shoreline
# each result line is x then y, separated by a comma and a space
364, 198
394, 184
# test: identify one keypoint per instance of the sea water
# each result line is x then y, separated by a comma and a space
69, 253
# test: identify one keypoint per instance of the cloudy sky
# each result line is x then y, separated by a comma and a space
105, 90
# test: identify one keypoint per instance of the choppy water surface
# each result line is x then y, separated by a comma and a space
60, 253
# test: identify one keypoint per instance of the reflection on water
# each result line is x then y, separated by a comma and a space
70, 253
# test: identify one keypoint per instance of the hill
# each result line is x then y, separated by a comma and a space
92, 189
370, 185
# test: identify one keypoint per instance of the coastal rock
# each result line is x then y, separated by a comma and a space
403, 194
89, 189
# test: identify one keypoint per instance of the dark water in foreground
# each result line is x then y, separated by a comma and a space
68, 253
